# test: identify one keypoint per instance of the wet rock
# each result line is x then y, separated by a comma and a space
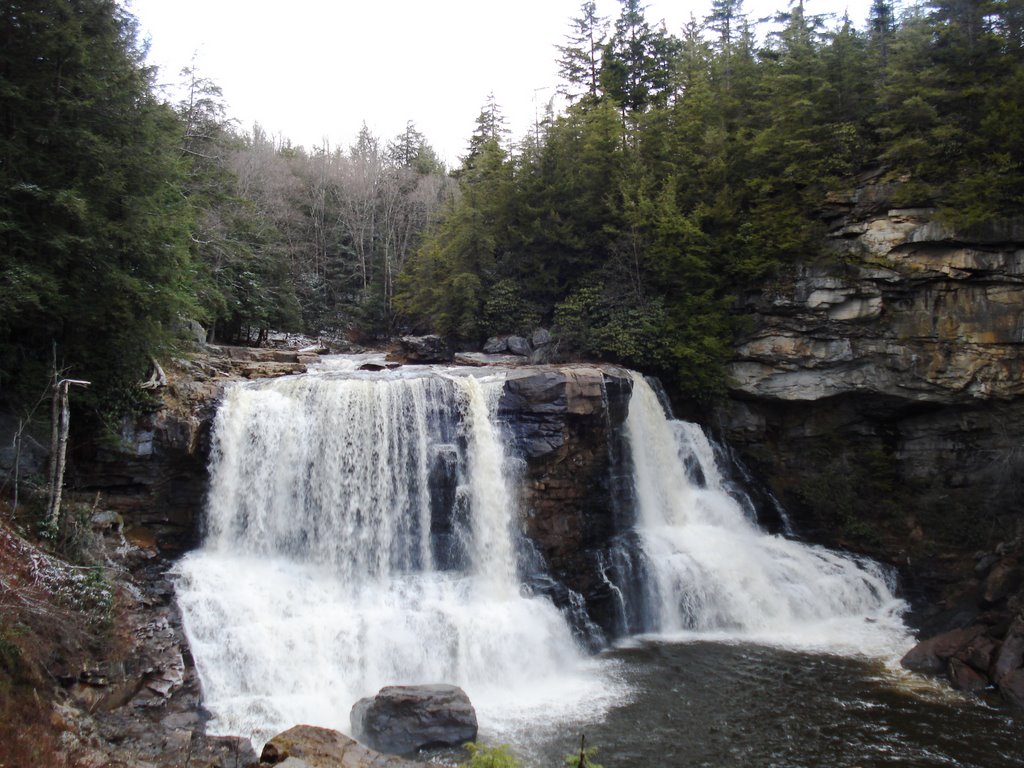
1010, 657
1003, 580
565, 423
1012, 688
306, 745
932, 654
401, 719
964, 678
979, 653
482, 359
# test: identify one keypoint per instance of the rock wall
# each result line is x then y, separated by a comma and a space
882, 393
154, 473
565, 422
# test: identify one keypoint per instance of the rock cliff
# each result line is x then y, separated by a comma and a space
881, 392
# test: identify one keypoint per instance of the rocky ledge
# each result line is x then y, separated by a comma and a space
880, 393
566, 422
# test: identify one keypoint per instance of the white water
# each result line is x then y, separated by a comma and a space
319, 581
715, 574
318, 585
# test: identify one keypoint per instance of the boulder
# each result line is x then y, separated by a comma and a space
964, 678
517, 345
541, 338
1010, 657
496, 345
1012, 688
425, 349
932, 654
979, 653
403, 718
1003, 580
306, 746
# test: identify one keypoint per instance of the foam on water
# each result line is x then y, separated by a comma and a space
362, 532
714, 574
320, 580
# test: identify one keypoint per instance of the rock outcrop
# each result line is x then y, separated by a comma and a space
116, 680
882, 393
976, 638
565, 422
402, 719
422, 349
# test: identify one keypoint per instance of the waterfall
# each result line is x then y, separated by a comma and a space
361, 533
363, 530
707, 568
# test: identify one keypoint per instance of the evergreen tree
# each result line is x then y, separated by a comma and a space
93, 227
580, 62
634, 65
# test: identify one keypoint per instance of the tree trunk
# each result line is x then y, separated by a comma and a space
61, 417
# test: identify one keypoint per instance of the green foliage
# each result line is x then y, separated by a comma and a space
490, 757
688, 169
685, 170
506, 311
92, 223
584, 759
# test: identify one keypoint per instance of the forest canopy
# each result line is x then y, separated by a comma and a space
685, 167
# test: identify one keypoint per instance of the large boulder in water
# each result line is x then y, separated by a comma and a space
311, 747
403, 718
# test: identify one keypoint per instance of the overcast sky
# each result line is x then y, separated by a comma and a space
315, 70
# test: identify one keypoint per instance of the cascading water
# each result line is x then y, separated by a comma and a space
706, 567
361, 534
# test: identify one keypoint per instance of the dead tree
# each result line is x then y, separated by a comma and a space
60, 419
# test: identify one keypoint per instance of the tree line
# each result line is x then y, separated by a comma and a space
686, 167
124, 215
690, 167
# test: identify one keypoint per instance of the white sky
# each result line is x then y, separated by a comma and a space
311, 70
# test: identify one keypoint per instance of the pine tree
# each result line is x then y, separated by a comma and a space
93, 227
579, 65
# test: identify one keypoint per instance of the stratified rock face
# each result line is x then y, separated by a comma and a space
898, 365
564, 422
401, 719
306, 746
915, 314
